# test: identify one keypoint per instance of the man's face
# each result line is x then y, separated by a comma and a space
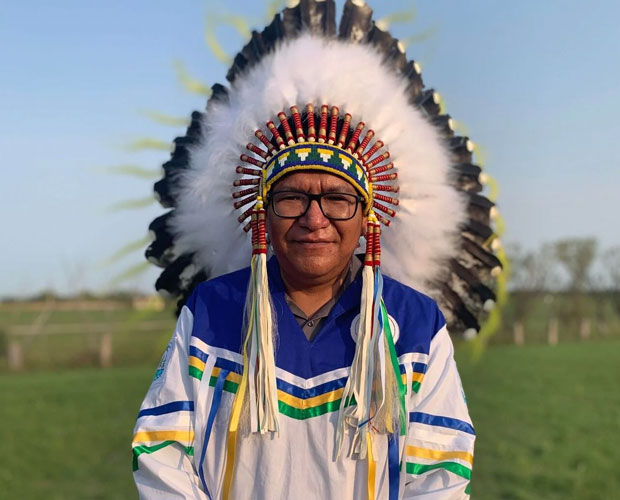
312, 247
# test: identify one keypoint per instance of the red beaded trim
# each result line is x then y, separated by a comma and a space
381, 178
383, 220
263, 138
382, 168
259, 238
383, 208
245, 214
376, 147
333, 125
299, 131
253, 161
246, 182
370, 240
378, 159
386, 187
323, 124
245, 201
360, 149
287, 128
256, 150
311, 129
240, 194
356, 135
249, 171
376, 249
344, 130
387, 199
276, 135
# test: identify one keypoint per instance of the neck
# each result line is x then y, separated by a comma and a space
311, 294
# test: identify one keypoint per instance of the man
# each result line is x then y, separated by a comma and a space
313, 259
310, 374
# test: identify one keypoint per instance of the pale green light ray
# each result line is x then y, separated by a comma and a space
164, 119
132, 272
146, 143
188, 82
126, 250
132, 171
132, 204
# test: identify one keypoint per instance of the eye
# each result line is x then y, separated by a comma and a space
283, 196
340, 198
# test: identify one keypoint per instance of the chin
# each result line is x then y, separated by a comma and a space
314, 266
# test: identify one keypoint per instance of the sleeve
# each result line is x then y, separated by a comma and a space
163, 437
440, 438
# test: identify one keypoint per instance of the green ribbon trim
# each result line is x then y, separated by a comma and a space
229, 386
402, 390
139, 450
195, 372
455, 468
303, 414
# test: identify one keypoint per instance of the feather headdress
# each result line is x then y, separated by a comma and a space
298, 88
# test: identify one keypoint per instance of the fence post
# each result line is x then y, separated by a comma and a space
584, 329
519, 335
15, 355
105, 350
553, 335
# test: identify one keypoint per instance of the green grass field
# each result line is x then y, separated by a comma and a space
547, 419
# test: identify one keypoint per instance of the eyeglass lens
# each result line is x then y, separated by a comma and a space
338, 206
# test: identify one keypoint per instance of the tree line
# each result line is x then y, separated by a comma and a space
562, 290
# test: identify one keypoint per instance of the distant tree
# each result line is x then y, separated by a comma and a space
533, 273
610, 261
576, 255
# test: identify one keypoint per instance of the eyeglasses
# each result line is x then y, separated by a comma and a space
335, 206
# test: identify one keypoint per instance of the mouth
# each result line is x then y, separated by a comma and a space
313, 242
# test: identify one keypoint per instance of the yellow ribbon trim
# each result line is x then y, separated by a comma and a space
371, 469
232, 376
196, 363
302, 404
416, 377
237, 405
150, 436
414, 451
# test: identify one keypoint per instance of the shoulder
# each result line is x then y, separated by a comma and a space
225, 290
216, 311
417, 315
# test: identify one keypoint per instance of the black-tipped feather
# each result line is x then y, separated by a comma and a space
356, 22
460, 312
481, 290
172, 279
416, 85
478, 232
160, 251
461, 149
479, 209
428, 102
444, 124
467, 177
389, 47
195, 281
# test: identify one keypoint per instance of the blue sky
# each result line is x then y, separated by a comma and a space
537, 84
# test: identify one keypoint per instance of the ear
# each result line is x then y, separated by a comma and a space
364, 226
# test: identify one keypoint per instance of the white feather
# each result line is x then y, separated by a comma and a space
352, 77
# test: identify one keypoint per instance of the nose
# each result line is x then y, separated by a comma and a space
313, 219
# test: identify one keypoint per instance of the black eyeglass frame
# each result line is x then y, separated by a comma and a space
316, 197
